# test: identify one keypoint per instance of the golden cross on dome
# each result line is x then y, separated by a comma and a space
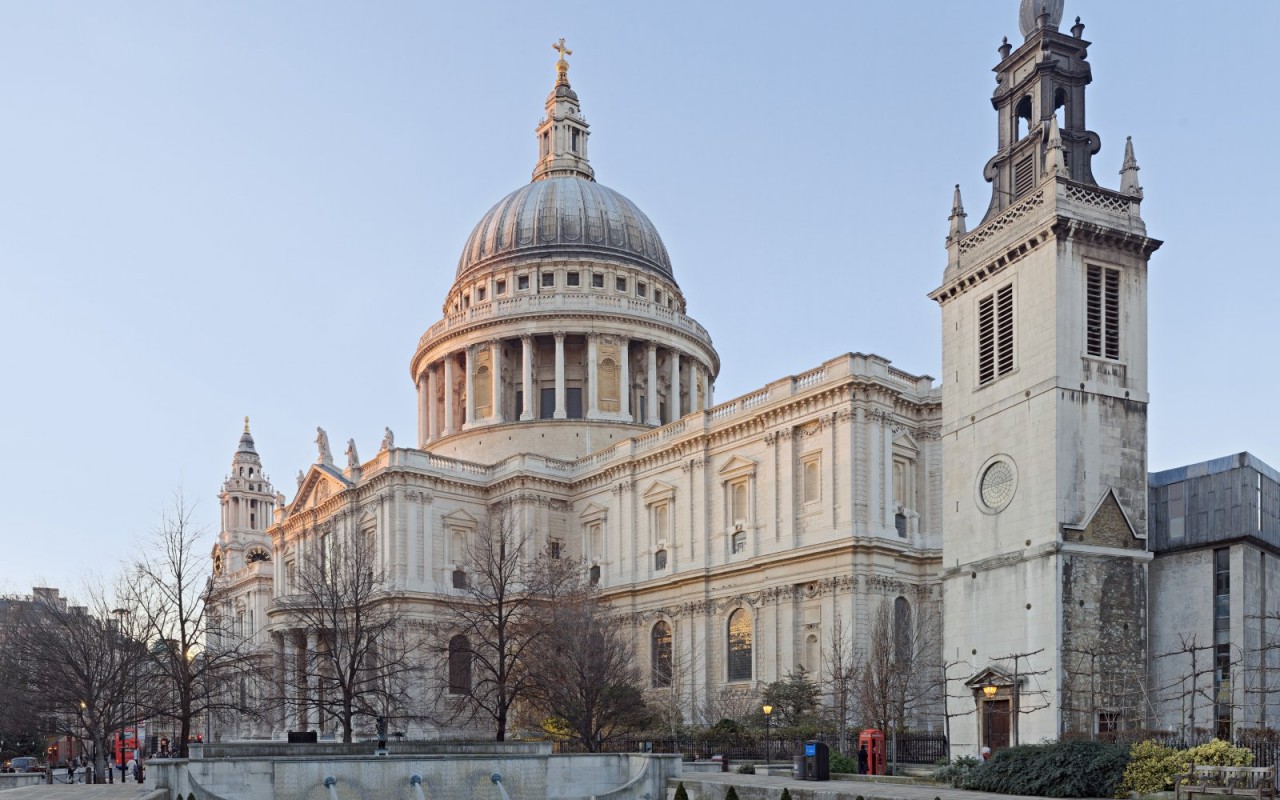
564, 51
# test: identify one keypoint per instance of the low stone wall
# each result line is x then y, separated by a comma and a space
445, 775
16, 780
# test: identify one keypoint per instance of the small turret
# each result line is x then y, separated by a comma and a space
248, 505
956, 218
1129, 171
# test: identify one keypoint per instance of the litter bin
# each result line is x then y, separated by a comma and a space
817, 758
797, 768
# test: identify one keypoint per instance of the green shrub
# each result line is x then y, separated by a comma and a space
732, 794
746, 769
838, 762
786, 794
1054, 769
1153, 768
681, 792
956, 772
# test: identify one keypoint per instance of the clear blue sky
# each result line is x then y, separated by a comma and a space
209, 210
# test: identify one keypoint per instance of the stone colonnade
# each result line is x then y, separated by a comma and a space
467, 388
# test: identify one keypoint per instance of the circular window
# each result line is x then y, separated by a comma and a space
997, 481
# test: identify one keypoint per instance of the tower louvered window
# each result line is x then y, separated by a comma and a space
1024, 176
1102, 312
995, 335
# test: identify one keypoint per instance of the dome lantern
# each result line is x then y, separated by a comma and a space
562, 134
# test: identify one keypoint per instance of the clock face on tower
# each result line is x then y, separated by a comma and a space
997, 481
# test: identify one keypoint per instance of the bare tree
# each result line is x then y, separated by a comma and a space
675, 699
488, 637
899, 672
1194, 684
584, 669
365, 656
842, 664
1026, 700
83, 666
199, 655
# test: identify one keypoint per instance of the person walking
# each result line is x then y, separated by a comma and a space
71, 771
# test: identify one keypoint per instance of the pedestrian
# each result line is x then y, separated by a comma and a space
130, 768
862, 759
71, 771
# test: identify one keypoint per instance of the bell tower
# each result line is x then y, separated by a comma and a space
1044, 335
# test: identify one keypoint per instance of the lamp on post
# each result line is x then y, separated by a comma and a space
989, 691
768, 714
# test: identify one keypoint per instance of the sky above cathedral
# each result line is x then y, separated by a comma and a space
209, 210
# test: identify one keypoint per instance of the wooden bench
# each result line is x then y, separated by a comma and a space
1259, 782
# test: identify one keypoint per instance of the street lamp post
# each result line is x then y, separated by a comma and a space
768, 714
121, 614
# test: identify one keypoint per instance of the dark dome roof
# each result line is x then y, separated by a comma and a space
565, 216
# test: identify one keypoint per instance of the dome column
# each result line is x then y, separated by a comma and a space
496, 358
624, 379
675, 385
526, 370
424, 395
433, 423
651, 389
560, 411
593, 371
468, 402
449, 410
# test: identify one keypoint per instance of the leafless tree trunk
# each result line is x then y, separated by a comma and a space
366, 656
679, 701
584, 671
1196, 682
494, 626
196, 653
83, 666
843, 663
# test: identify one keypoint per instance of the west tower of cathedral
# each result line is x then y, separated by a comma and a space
1044, 336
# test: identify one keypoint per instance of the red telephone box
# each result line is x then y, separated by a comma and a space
873, 740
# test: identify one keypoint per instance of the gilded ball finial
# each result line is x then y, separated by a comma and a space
562, 66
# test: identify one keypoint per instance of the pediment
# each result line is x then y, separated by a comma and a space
593, 511
990, 676
657, 491
460, 518
321, 483
905, 441
736, 467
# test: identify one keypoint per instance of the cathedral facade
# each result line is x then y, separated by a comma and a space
567, 382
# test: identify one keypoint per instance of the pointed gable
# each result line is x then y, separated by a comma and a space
319, 485
1106, 526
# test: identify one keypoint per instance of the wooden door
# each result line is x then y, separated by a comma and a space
996, 723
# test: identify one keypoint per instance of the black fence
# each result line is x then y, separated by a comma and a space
912, 748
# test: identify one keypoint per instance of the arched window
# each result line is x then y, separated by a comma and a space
594, 575
902, 634
661, 649
1023, 117
459, 665
660, 560
739, 651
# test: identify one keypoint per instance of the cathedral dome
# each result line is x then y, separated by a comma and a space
565, 216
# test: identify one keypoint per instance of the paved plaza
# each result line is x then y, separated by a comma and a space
712, 786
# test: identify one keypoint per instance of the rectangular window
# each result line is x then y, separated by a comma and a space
620, 284
522, 281
1024, 176
480, 295
642, 289
571, 279
546, 403
1177, 503
657, 296
500, 287
548, 279
519, 402
739, 542
597, 280
995, 335
554, 548
573, 402
1102, 312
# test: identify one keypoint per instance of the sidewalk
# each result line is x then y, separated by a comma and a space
713, 785
81, 791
